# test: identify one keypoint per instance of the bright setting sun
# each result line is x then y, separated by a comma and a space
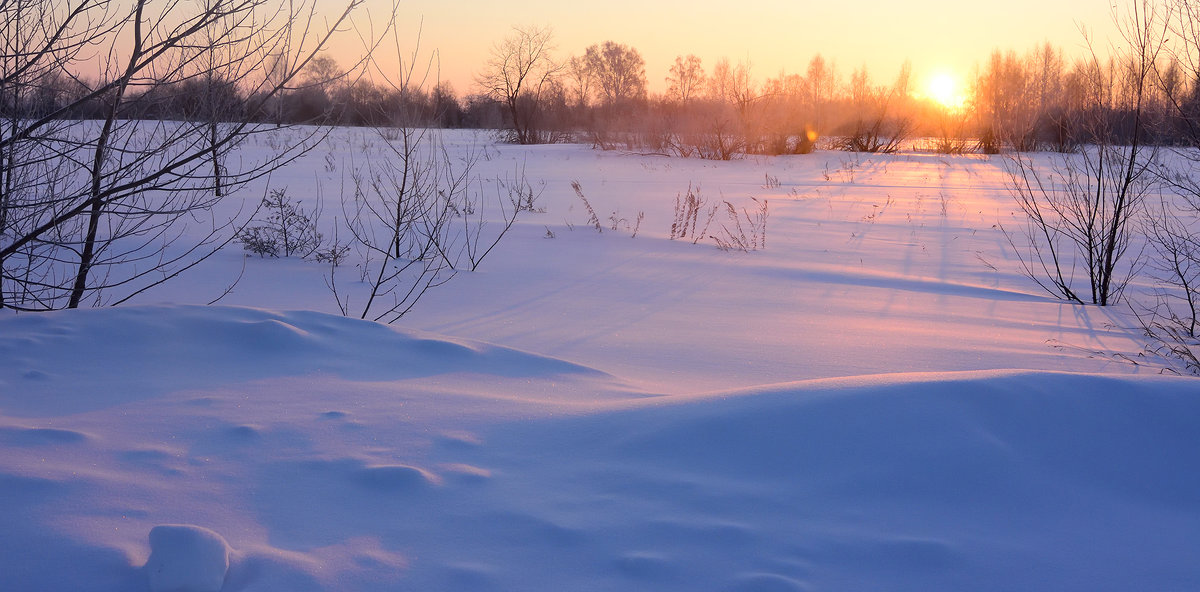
945, 89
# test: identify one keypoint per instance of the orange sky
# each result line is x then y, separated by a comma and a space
936, 35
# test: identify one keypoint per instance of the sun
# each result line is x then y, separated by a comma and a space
944, 89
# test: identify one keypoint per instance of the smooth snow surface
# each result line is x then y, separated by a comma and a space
876, 401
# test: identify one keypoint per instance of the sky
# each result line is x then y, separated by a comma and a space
937, 36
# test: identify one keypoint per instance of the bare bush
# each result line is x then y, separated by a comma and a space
287, 230
882, 125
1171, 324
418, 214
1083, 214
398, 219
514, 194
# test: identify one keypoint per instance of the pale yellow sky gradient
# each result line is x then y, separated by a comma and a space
935, 35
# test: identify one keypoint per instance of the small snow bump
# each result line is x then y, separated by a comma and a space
35, 375
471, 576
396, 478
186, 558
765, 582
643, 565
458, 441
278, 328
441, 348
22, 436
467, 474
244, 432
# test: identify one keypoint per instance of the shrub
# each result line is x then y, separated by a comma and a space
288, 230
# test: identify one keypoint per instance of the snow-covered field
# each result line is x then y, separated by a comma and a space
878, 400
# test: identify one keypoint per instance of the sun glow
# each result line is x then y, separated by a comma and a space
946, 90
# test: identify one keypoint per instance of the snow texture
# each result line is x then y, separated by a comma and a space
876, 401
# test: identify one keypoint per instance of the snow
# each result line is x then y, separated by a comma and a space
186, 558
878, 400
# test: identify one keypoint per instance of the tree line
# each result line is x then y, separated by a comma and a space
1036, 100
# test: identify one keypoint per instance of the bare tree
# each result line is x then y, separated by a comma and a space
97, 210
619, 71
519, 73
732, 85
821, 80
720, 82
582, 80
686, 79
417, 214
721, 121
1083, 214
1003, 103
880, 123
396, 220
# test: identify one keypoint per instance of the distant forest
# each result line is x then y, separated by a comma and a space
1036, 100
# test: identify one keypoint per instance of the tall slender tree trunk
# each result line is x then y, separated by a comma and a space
216, 157
96, 210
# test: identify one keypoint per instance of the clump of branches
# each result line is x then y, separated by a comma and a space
399, 218
521, 194
721, 140
952, 137
287, 230
1171, 324
617, 221
1081, 218
879, 135
418, 215
752, 236
882, 125
513, 194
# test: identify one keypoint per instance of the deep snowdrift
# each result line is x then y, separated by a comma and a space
333, 454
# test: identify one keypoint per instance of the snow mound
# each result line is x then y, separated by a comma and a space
984, 480
76, 361
186, 558
347, 456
